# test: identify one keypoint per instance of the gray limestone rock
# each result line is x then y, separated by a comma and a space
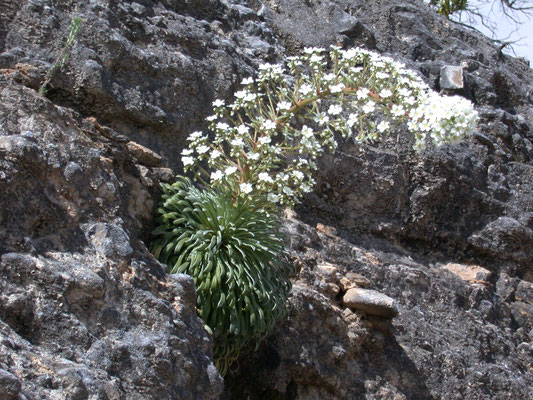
85, 310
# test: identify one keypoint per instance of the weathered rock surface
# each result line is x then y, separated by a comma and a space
370, 302
452, 339
87, 313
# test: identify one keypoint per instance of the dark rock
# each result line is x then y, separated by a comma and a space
505, 235
164, 174
523, 314
110, 240
10, 385
524, 292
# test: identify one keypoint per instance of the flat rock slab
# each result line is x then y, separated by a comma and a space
144, 154
469, 273
370, 302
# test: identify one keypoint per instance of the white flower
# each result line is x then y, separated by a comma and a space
369, 107
284, 106
265, 66
315, 59
306, 89
202, 149
350, 53
265, 177
402, 95
336, 88
222, 126
383, 126
250, 97
241, 94
306, 187
334, 109
321, 118
298, 175
269, 71
243, 129
306, 131
410, 100
287, 190
385, 93
362, 93
237, 142
269, 125
283, 177
274, 198
312, 50
195, 136
404, 92
245, 188
187, 161
217, 175
264, 140
211, 118
294, 61
397, 110
230, 170
352, 119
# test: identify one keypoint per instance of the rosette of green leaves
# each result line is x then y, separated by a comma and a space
234, 251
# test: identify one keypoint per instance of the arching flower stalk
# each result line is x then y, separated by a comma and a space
269, 138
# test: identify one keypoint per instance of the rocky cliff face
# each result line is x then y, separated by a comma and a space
87, 313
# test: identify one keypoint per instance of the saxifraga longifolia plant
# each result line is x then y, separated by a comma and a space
232, 248
260, 157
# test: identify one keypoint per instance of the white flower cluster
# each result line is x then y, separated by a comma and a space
267, 141
443, 119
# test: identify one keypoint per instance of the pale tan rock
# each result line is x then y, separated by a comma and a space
358, 279
346, 284
332, 289
347, 312
144, 155
351, 280
469, 273
328, 230
327, 271
370, 302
